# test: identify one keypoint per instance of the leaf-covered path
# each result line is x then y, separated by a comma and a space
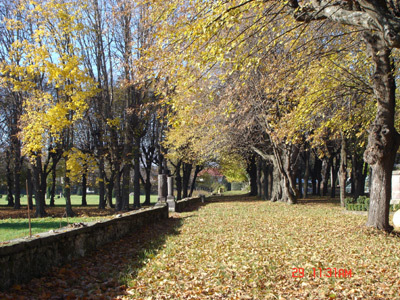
238, 248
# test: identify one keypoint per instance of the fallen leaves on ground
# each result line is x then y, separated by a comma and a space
248, 249
242, 249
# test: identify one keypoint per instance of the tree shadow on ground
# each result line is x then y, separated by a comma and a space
319, 200
247, 198
234, 198
193, 207
103, 273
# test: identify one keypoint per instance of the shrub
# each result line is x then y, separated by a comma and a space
349, 200
363, 200
357, 207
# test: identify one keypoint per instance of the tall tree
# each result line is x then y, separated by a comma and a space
380, 22
50, 75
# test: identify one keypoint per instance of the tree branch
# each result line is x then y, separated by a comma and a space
367, 14
264, 155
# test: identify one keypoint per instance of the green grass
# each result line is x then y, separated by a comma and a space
92, 200
17, 228
235, 193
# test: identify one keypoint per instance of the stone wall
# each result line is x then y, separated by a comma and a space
23, 259
183, 204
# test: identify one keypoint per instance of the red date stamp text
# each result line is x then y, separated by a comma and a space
322, 272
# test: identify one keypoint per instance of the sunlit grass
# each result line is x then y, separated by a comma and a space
235, 193
17, 228
76, 200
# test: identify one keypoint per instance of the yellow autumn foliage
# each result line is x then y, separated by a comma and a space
79, 163
48, 71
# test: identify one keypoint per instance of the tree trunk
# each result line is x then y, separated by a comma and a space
334, 174
117, 190
84, 187
10, 196
284, 163
300, 183
317, 176
29, 192
290, 154
306, 172
110, 187
275, 187
383, 139
259, 182
193, 185
252, 172
326, 167
352, 177
126, 174
39, 180
343, 171
265, 183
147, 188
53, 184
17, 173
187, 170
365, 174
127, 167
136, 178
147, 181
102, 202
358, 177
67, 195
16, 149
178, 180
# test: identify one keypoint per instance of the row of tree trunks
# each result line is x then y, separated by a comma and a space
292, 174
185, 178
106, 141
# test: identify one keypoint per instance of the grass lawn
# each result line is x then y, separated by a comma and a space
17, 228
76, 200
235, 193
263, 250
14, 223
